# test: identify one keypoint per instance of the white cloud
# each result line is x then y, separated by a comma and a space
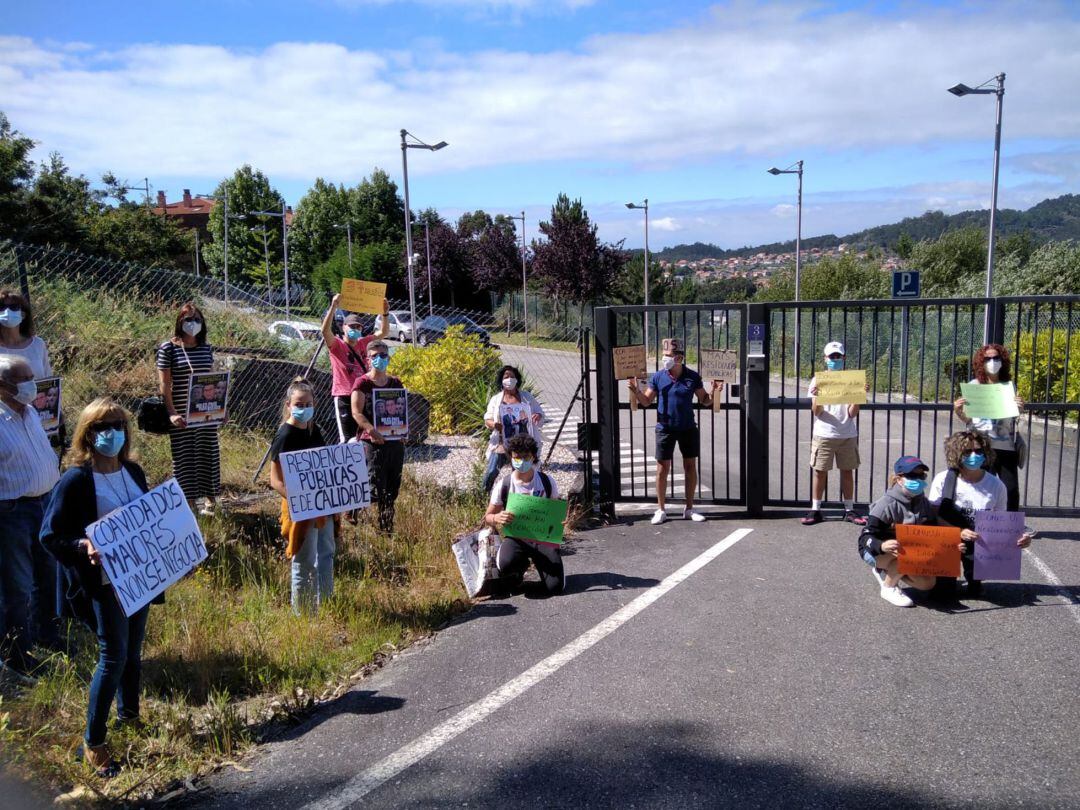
743, 80
783, 211
668, 224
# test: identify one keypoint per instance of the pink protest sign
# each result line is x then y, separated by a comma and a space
996, 554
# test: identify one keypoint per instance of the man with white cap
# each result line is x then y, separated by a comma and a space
835, 442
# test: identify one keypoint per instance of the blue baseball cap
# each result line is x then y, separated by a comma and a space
907, 464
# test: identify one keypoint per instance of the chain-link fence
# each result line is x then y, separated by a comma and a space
103, 319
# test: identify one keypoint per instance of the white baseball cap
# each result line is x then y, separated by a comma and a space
834, 347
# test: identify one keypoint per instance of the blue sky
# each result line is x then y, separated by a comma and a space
607, 101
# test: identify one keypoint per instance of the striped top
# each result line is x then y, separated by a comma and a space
28, 465
177, 359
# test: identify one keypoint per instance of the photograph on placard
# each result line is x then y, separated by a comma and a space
514, 419
48, 403
391, 409
208, 395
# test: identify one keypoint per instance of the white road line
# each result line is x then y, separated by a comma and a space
1051, 577
381, 772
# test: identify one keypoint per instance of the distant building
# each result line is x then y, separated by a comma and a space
194, 212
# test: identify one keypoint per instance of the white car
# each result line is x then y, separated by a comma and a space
291, 331
400, 325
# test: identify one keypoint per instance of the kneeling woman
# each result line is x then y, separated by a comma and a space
514, 554
903, 503
103, 479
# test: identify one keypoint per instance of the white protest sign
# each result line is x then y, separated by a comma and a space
325, 480
148, 545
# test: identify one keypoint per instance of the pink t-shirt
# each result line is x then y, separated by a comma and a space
344, 366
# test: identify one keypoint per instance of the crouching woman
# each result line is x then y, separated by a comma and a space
514, 554
102, 479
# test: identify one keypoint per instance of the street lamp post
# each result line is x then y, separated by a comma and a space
266, 259
225, 219
405, 147
999, 91
348, 237
427, 253
645, 207
284, 246
796, 168
524, 283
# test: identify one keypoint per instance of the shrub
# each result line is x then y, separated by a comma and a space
447, 375
1052, 380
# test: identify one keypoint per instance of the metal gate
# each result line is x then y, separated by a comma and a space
755, 450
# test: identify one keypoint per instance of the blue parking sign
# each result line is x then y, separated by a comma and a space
905, 284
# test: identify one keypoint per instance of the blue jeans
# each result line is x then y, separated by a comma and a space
495, 463
313, 568
119, 666
20, 524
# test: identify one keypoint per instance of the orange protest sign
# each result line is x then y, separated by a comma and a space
929, 551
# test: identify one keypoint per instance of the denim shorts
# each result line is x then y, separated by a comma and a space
868, 558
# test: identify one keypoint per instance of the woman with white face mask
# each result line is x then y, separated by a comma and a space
991, 366
17, 334
508, 383
196, 453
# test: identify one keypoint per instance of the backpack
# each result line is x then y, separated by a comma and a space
504, 486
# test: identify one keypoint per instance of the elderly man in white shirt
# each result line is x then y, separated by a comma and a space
28, 472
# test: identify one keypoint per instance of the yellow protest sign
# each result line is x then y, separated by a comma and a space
362, 296
841, 387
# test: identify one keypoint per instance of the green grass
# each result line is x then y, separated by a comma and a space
225, 654
535, 341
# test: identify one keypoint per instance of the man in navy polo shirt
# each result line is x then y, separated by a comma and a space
673, 388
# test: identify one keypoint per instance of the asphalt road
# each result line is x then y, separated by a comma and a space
764, 679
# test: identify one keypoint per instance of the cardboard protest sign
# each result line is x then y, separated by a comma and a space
996, 554
148, 545
208, 396
514, 420
629, 361
390, 407
929, 551
362, 296
536, 518
990, 401
47, 403
325, 480
720, 364
841, 387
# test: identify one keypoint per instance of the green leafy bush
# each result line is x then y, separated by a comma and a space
1053, 380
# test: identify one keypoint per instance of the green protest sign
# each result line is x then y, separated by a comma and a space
535, 518
990, 400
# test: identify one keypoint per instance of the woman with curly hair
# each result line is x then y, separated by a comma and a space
991, 366
967, 487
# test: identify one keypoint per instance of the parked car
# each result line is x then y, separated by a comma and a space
400, 325
290, 331
434, 327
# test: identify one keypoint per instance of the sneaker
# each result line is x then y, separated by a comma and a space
690, 514
659, 516
879, 575
812, 518
895, 596
207, 509
852, 517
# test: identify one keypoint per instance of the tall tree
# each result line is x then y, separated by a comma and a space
16, 178
318, 226
249, 191
496, 256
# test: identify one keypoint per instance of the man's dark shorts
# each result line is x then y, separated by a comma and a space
689, 442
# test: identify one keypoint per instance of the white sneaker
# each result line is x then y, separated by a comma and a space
879, 575
659, 516
895, 596
690, 514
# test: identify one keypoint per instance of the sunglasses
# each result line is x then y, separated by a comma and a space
914, 476
97, 427
192, 320
384, 355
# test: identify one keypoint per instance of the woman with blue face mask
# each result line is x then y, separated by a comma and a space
967, 487
310, 544
349, 360
905, 502
103, 477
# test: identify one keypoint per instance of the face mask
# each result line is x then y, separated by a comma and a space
109, 442
522, 465
834, 365
11, 317
973, 461
303, 414
509, 383
353, 334
192, 327
914, 486
668, 363
26, 392
380, 363
993, 366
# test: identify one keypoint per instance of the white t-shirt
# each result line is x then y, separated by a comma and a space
36, 354
534, 487
986, 494
1002, 432
835, 422
111, 491
492, 414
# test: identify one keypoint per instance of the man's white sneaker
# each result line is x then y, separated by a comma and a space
895, 596
659, 516
690, 514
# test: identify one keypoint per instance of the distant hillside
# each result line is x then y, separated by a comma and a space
1050, 221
